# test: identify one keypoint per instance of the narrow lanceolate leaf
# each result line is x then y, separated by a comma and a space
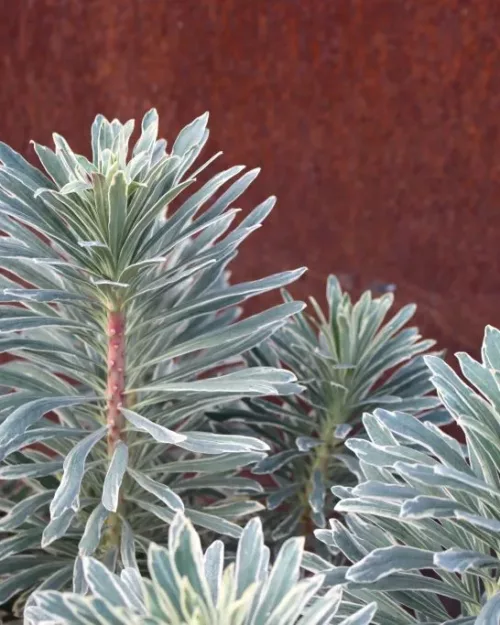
382, 562
250, 557
214, 523
38, 295
283, 576
208, 443
22, 511
28, 414
158, 432
213, 565
231, 383
323, 609
57, 527
31, 322
114, 476
17, 582
66, 496
127, 546
362, 617
104, 584
117, 200
92, 534
40, 469
489, 613
161, 491
459, 561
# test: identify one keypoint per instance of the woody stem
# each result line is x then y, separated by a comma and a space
116, 378
115, 396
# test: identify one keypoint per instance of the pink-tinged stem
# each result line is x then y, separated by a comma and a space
115, 420
116, 378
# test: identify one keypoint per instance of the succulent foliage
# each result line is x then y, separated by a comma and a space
189, 587
122, 331
350, 360
428, 504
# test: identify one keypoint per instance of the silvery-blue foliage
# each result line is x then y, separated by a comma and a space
428, 503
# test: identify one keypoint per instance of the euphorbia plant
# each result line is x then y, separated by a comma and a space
119, 307
428, 503
351, 359
190, 587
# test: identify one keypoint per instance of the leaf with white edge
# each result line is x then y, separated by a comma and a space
414, 430
66, 496
283, 576
31, 412
23, 510
251, 556
491, 347
318, 491
209, 443
93, 529
422, 507
459, 560
38, 295
16, 582
20, 471
161, 491
214, 523
361, 617
104, 584
382, 562
117, 199
489, 524
306, 443
132, 580
295, 600
238, 383
343, 430
57, 527
212, 464
381, 490
127, 546
490, 613
31, 322
114, 476
323, 609
190, 135
158, 432
271, 464
213, 565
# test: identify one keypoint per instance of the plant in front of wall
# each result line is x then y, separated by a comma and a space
124, 331
190, 587
350, 360
428, 504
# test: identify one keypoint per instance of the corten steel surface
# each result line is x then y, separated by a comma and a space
376, 124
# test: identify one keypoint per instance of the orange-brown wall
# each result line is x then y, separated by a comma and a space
376, 123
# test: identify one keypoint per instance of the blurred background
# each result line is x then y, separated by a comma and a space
375, 122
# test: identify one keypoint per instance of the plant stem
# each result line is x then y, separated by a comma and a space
116, 378
115, 396
321, 463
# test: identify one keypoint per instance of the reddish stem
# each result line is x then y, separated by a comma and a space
116, 378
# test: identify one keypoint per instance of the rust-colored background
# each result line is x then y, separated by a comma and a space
375, 121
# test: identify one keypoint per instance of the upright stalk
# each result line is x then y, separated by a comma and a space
116, 378
115, 397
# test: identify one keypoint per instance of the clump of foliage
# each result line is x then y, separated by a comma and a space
137, 403
188, 587
350, 360
428, 503
124, 331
